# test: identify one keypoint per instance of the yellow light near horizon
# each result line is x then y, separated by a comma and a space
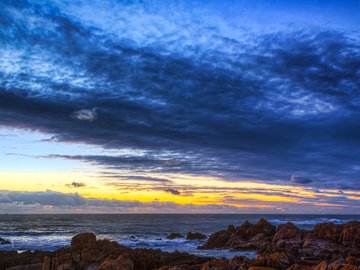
196, 190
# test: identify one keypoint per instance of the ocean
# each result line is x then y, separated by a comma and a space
50, 232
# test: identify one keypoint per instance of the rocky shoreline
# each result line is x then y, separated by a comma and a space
327, 247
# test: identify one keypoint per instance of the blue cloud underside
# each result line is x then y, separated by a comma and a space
199, 94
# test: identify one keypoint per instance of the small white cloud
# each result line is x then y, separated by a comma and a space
86, 114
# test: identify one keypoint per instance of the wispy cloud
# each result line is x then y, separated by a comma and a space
76, 185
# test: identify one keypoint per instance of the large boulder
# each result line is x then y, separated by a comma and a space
83, 239
287, 237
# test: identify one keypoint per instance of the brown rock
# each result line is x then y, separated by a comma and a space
35, 266
217, 240
294, 267
278, 260
123, 262
261, 268
348, 267
288, 237
350, 234
327, 231
322, 266
82, 239
245, 237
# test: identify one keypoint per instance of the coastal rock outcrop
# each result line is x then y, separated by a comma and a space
327, 247
287, 237
195, 236
174, 235
245, 237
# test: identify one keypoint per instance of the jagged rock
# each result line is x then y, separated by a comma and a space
245, 237
287, 237
278, 260
322, 266
123, 262
217, 240
195, 236
317, 249
173, 235
327, 231
350, 234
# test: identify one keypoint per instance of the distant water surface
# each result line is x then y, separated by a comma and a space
50, 232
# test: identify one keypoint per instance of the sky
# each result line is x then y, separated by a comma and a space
180, 106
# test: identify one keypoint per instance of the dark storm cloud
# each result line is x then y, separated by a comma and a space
263, 108
300, 180
136, 177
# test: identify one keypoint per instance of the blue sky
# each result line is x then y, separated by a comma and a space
136, 98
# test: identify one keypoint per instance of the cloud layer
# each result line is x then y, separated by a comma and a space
188, 88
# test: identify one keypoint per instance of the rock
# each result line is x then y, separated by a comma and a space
82, 239
339, 264
322, 266
245, 237
327, 231
217, 240
287, 237
319, 249
353, 261
294, 267
10, 259
261, 268
350, 234
278, 260
35, 266
281, 260
236, 263
195, 236
123, 262
173, 235
348, 267
4, 242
